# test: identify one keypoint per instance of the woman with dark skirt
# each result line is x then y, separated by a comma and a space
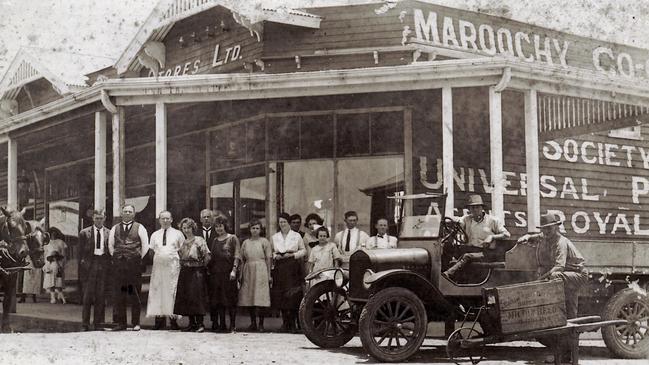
191, 294
222, 276
287, 273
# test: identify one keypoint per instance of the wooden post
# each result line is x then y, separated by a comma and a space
407, 155
496, 150
532, 161
118, 163
160, 158
12, 173
271, 198
447, 148
100, 161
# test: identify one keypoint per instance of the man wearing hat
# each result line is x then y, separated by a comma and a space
481, 229
558, 258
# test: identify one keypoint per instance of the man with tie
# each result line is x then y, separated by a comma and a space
95, 261
382, 238
207, 223
128, 242
351, 238
165, 242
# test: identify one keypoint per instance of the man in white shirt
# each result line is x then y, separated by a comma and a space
382, 238
128, 243
351, 238
165, 242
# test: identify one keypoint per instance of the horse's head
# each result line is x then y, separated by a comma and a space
36, 239
13, 234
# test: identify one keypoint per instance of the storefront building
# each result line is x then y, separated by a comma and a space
331, 109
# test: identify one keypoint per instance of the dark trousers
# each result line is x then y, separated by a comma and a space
128, 275
572, 282
95, 290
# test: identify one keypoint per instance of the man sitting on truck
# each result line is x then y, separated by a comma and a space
559, 259
481, 229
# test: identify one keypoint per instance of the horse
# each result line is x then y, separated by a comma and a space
17, 240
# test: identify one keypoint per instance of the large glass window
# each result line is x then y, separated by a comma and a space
364, 186
308, 187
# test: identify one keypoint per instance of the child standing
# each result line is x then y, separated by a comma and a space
326, 254
53, 269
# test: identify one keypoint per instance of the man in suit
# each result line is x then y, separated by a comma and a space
95, 261
351, 238
207, 225
128, 243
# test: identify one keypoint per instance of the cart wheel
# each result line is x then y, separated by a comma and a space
464, 355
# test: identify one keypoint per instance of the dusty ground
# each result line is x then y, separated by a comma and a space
152, 347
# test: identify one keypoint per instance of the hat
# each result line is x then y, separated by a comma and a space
549, 219
474, 199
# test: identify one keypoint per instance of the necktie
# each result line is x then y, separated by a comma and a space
206, 233
97, 239
348, 240
164, 237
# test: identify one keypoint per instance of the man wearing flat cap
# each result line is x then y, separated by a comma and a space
559, 258
481, 229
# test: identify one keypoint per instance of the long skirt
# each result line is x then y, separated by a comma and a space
287, 284
222, 290
191, 295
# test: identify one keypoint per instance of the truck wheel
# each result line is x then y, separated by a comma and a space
393, 325
326, 316
630, 340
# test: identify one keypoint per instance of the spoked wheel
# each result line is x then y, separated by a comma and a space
326, 316
393, 325
629, 340
464, 355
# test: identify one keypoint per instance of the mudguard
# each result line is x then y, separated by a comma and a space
324, 274
418, 284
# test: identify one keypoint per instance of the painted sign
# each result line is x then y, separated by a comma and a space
490, 36
220, 57
579, 193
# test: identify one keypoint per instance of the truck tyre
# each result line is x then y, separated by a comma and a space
631, 340
326, 316
393, 325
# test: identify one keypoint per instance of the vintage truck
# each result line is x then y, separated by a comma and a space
390, 295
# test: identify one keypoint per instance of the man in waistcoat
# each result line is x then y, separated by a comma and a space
128, 242
95, 262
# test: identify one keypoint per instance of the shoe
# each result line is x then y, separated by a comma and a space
261, 329
447, 276
200, 329
22, 299
174, 326
136, 327
85, 328
252, 328
119, 327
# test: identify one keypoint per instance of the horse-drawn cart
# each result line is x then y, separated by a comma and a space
528, 311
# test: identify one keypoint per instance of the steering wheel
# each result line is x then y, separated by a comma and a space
452, 233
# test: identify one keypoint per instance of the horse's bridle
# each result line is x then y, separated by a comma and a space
11, 240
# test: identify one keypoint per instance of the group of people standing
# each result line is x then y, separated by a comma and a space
200, 270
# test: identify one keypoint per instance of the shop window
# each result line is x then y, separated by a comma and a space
364, 186
255, 141
284, 138
317, 136
228, 146
352, 135
386, 133
308, 187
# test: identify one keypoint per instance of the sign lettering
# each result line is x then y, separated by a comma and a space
219, 58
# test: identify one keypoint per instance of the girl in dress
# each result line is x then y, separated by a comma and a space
190, 293
54, 266
256, 261
326, 254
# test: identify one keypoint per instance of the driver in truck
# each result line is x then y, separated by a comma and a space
482, 231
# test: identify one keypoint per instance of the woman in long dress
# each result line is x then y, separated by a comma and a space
165, 242
256, 259
222, 276
288, 259
191, 294
31, 281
